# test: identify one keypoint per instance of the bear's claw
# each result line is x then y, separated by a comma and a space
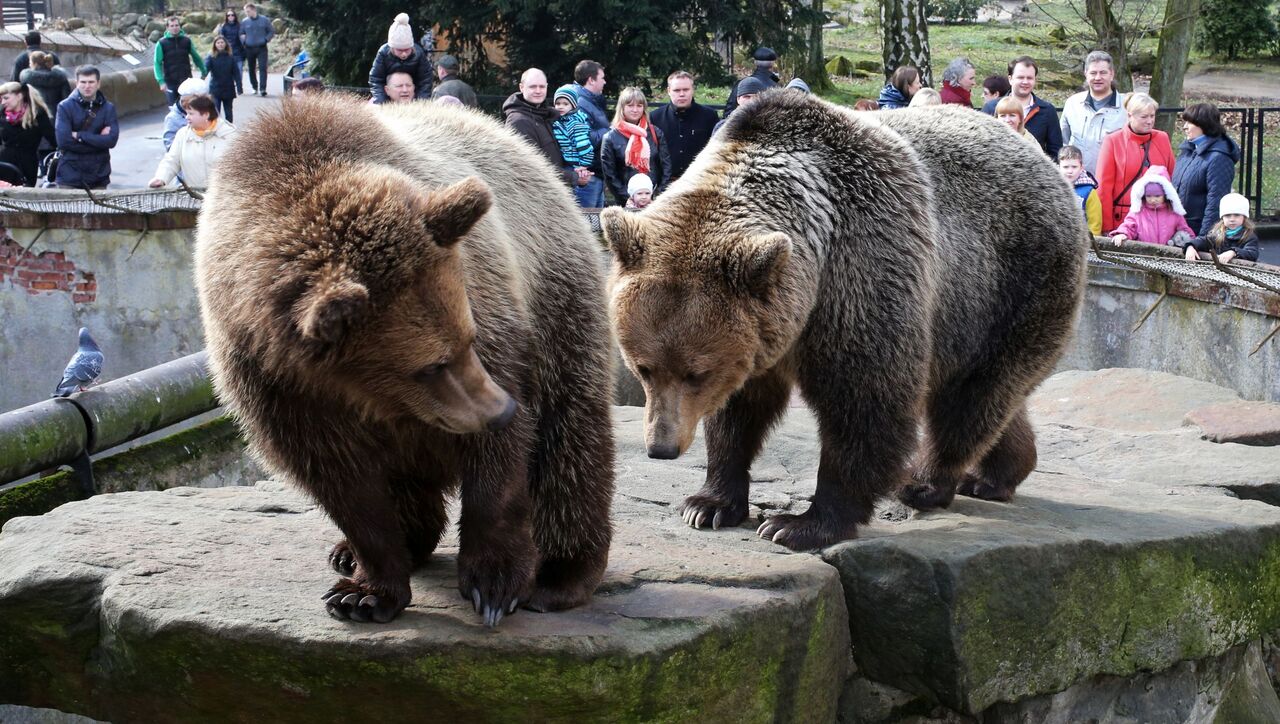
494, 590
926, 496
804, 532
342, 559
698, 511
975, 487
348, 600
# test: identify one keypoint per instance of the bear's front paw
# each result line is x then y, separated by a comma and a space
808, 531
356, 601
976, 487
926, 496
705, 508
342, 559
496, 586
567, 582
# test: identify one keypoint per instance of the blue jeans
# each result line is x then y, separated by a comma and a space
591, 196
239, 73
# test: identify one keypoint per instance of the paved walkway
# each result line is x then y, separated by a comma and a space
134, 159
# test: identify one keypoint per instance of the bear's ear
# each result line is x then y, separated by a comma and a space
450, 212
754, 265
624, 232
331, 306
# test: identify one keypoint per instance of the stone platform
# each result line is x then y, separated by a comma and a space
1136, 577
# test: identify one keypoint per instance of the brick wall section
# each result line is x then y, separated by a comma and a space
49, 272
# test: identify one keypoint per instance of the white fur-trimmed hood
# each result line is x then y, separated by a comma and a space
1158, 175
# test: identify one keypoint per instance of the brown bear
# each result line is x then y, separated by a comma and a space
909, 268
400, 302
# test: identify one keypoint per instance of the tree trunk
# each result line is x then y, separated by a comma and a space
814, 70
1111, 38
1171, 56
906, 37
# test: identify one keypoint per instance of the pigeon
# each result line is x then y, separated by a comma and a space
84, 367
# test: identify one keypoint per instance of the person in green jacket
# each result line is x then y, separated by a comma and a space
174, 55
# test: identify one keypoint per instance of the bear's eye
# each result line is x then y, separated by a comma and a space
428, 372
693, 379
642, 371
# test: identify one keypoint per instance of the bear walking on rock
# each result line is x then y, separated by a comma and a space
908, 269
400, 302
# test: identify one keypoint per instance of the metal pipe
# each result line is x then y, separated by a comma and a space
57, 432
39, 437
130, 407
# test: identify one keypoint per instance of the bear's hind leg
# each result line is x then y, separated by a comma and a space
1007, 464
735, 435
965, 418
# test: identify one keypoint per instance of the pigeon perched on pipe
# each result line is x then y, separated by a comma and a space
84, 367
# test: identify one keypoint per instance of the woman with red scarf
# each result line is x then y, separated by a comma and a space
634, 146
1126, 155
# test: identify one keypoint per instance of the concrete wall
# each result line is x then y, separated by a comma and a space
1185, 335
139, 304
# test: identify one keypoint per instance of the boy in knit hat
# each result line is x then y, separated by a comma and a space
400, 55
639, 191
573, 134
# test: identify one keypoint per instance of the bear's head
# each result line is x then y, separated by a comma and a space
381, 315
695, 317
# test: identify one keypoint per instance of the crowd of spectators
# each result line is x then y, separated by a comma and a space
1123, 170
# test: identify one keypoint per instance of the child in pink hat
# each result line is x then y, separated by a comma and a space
1156, 215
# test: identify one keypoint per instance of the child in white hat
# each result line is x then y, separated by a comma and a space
1233, 237
639, 191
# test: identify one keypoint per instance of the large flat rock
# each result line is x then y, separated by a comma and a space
1120, 555
203, 605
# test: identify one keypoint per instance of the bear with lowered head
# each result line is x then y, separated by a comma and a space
909, 270
401, 303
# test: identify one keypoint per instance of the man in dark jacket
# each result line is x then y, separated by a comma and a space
529, 114
400, 54
255, 32
173, 58
87, 130
588, 82
23, 61
765, 59
686, 123
1039, 117
450, 84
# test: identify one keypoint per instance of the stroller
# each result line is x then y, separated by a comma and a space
12, 175
47, 171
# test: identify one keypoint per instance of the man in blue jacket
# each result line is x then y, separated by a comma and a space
588, 77
255, 32
1039, 117
87, 130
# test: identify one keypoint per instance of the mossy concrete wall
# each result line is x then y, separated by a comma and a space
133, 289
1200, 330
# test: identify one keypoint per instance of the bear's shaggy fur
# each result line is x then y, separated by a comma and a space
909, 268
400, 301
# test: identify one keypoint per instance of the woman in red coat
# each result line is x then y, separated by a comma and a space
1126, 155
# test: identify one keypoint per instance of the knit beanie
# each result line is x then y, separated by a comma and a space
750, 86
1233, 204
568, 93
639, 182
400, 35
800, 85
192, 86
1153, 189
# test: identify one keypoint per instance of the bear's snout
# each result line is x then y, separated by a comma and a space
504, 417
664, 451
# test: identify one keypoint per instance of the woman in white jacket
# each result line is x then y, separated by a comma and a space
197, 146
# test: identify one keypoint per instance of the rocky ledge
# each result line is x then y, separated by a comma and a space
1136, 574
